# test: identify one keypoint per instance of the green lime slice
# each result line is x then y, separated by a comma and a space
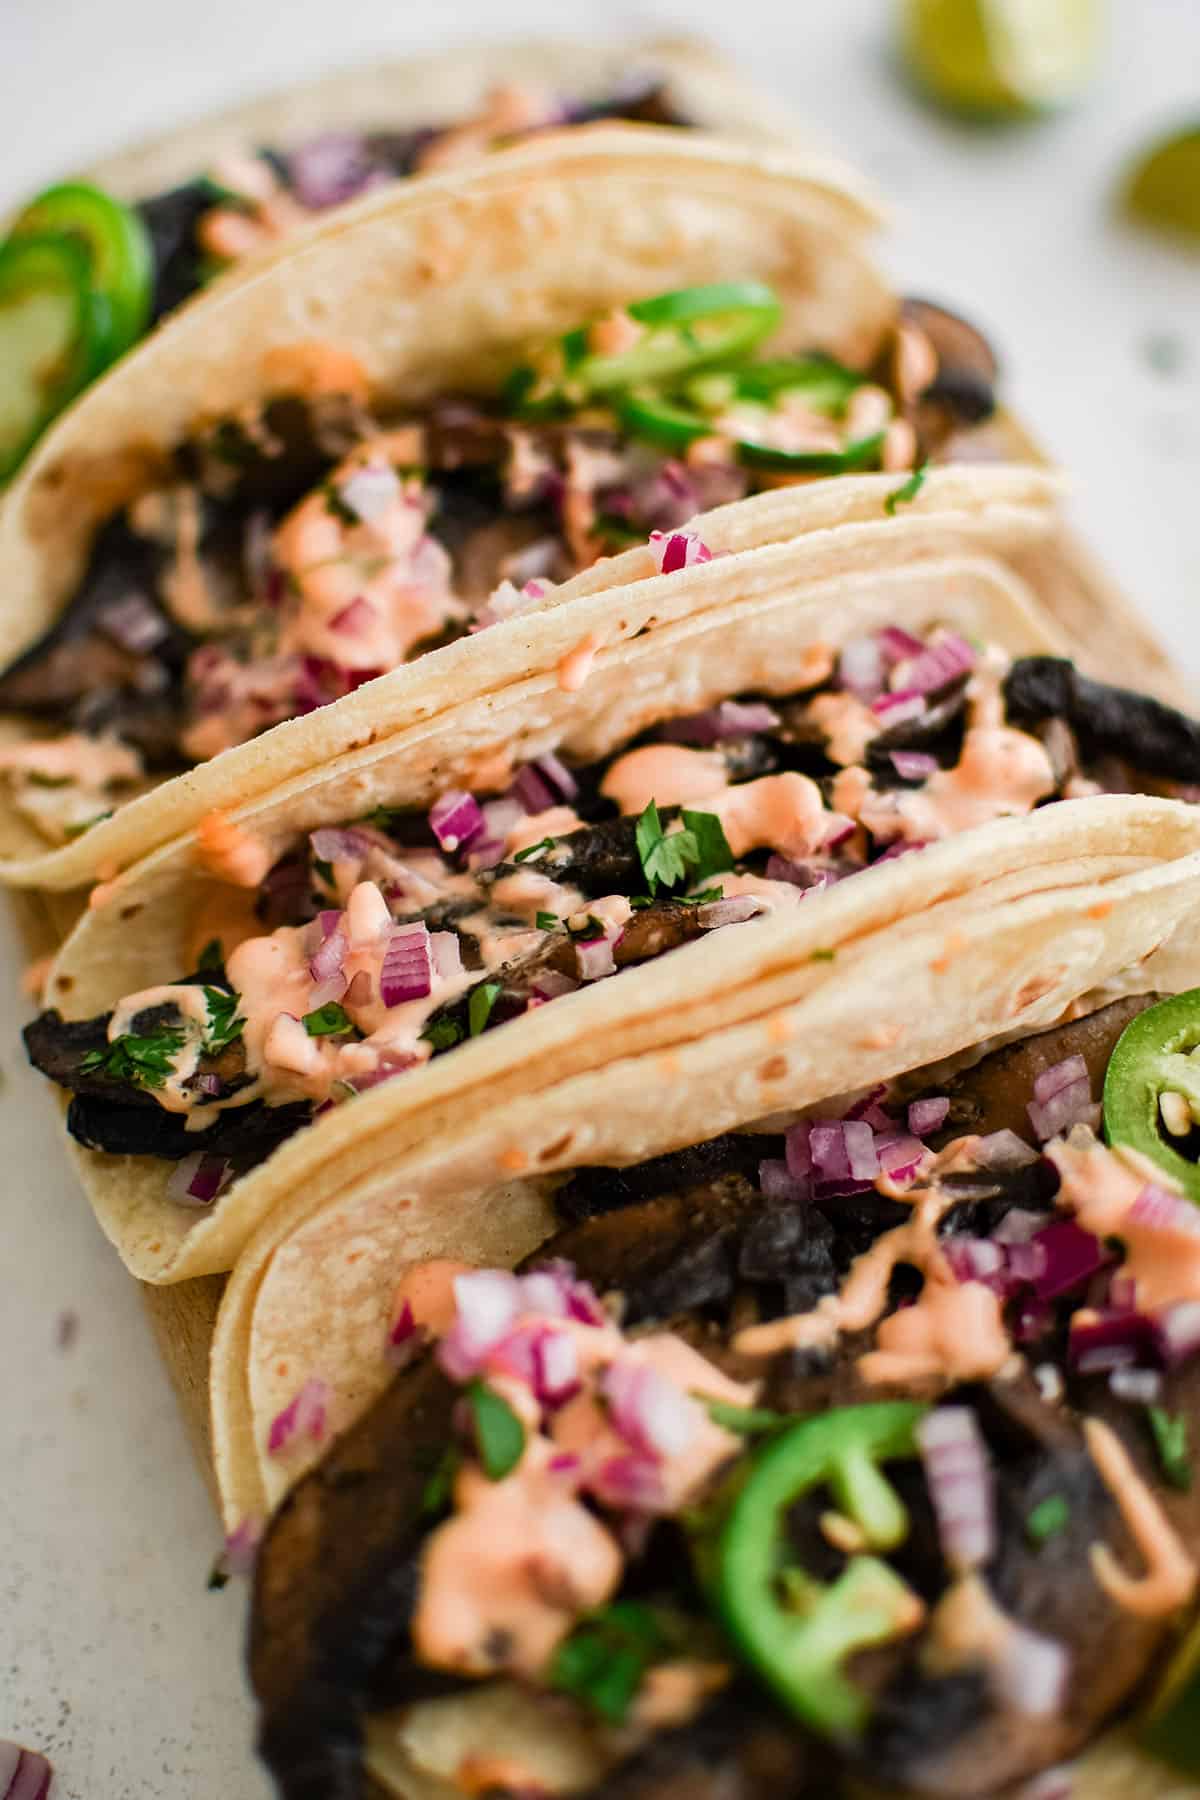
1164, 187
1002, 58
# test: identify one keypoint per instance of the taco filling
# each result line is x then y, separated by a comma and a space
85, 275
376, 945
860, 1446
286, 558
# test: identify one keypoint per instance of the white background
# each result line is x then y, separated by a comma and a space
113, 1658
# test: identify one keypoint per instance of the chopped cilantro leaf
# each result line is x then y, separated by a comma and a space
665, 860
1048, 1518
328, 1020
323, 871
704, 897
713, 855
443, 1034
224, 1021
337, 506
436, 1497
479, 1006
604, 1661
211, 957
548, 921
532, 850
39, 778
1171, 1441
747, 1421
499, 1434
143, 1061
822, 955
907, 491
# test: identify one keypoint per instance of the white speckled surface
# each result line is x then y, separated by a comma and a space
115, 1660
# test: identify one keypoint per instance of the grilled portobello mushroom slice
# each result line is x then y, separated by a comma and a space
1107, 721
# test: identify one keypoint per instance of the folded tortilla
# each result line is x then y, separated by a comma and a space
422, 289
1098, 902
745, 623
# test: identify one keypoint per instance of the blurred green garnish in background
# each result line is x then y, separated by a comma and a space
1002, 59
1163, 187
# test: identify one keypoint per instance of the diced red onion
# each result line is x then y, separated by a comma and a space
734, 911
557, 774
799, 874
653, 1415
928, 1115
446, 949
369, 492
977, 1259
330, 169
778, 1183
827, 1148
1051, 1784
1031, 1672
958, 1469
196, 1180
407, 972
552, 984
1111, 1341
206, 1084
944, 660
325, 991
1071, 1105
500, 816
630, 1483
134, 623
356, 619
1072, 1256
675, 550
1033, 1320
487, 1302
579, 1297
867, 1107
326, 961
902, 847
333, 845
532, 791
1060, 1075
913, 765
860, 667
594, 958
485, 853
304, 1416
897, 709
900, 1156
1019, 1226
860, 1149
798, 1150
1004, 1150
1161, 1210
456, 819
391, 1064
898, 645
731, 718
546, 1360
24, 1774
1141, 1386
405, 1339
1179, 1332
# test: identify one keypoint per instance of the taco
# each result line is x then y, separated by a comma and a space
149, 227
399, 935
382, 441
837, 1434
501, 847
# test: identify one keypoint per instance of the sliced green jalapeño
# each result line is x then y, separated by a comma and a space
118, 249
52, 337
689, 329
795, 1632
1157, 1053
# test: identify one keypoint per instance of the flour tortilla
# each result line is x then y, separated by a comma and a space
998, 508
753, 636
1103, 902
430, 286
444, 86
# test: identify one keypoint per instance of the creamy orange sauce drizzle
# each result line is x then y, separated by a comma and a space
230, 852
1101, 1187
778, 812
847, 724
1170, 1578
668, 774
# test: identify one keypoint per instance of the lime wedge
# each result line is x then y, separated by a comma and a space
1164, 186
1002, 58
